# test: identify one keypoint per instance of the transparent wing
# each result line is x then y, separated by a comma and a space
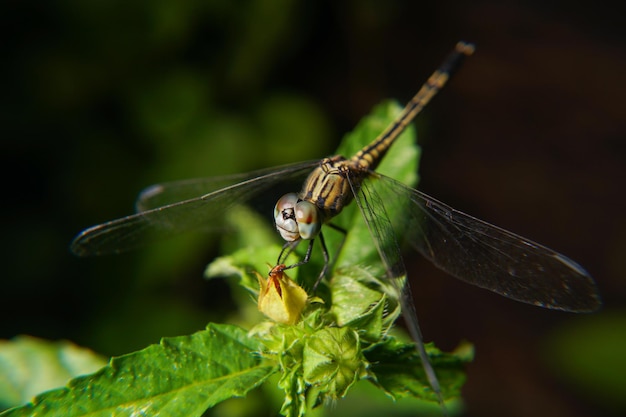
380, 227
167, 193
172, 208
488, 256
379, 224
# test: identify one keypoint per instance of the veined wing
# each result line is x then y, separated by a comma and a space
171, 192
162, 215
488, 256
381, 228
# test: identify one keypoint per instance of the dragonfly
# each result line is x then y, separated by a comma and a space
468, 248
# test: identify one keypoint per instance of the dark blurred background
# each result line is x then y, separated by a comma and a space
100, 99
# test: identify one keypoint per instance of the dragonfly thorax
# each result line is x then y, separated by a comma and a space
328, 186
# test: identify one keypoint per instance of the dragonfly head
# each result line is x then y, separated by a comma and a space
296, 219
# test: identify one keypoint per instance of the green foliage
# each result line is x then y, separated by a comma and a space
343, 339
180, 376
587, 353
343, 336
29, 366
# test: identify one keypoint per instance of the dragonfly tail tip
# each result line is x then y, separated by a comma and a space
466, 48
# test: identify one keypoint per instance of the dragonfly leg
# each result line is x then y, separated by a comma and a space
326, 262
291, 246
288, 247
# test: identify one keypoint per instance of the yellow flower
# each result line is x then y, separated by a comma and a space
280, 298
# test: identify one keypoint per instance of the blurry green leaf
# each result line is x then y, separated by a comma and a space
29, 366
588, 353
294, 128
242, 264
168, 105
149, 313
252, 246
265, 30
399, 371
368, 400
182, 376
249, 229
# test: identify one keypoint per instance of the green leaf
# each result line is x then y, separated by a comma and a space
29, 366
182, 376
370, 323
587, 353
249, 229
288, 345
399, 372
362, 301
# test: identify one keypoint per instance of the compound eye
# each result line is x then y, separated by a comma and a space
288, 201
308, 219
285, 218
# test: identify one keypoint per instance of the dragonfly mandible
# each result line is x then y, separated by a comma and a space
468, 248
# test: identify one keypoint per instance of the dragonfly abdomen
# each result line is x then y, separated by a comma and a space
370, 156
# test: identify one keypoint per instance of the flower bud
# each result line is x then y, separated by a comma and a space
280, 298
